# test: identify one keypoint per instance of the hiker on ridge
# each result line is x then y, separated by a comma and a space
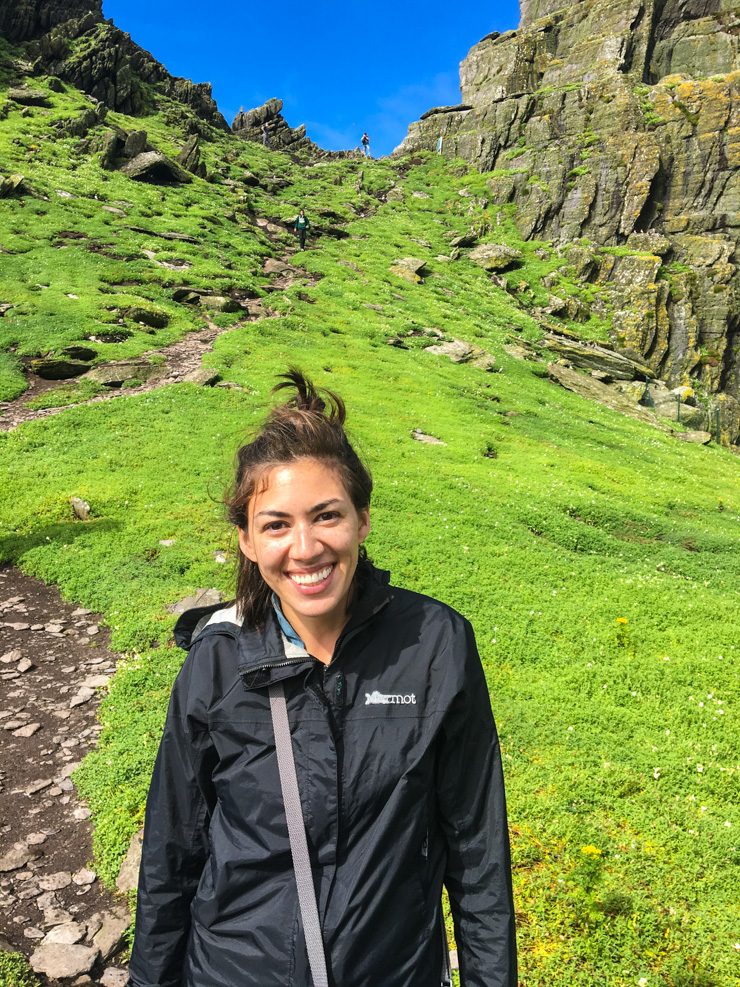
329, 759
301, 225
365, 145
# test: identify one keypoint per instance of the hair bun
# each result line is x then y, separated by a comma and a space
307, 397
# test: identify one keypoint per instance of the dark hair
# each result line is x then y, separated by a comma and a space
306, 426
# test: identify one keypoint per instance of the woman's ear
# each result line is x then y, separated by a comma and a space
364, 524
245, 544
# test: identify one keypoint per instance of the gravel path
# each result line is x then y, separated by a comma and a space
54, 664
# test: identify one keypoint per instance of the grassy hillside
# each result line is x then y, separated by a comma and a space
595, 555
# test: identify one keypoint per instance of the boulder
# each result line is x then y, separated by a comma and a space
409, 268
189, 157
80, 508
112, 149
58, 961
57, 368
12, 185
154, 318
698, 437
429, 440
455, 350
116, 374
495, 256
592, 357
594, 390
220, 303
84, 353
109, 938
464, 240
128, 875
203, 376
28, 97
136, 143
201, 598
156, 168
274, 266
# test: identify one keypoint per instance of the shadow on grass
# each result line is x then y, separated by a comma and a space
14, 547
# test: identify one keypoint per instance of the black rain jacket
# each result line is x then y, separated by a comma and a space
401, 786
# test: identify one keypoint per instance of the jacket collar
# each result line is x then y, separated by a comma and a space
266, 656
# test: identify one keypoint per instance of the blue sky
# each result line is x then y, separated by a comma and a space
339, 67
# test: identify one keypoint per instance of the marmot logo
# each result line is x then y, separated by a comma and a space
378, 699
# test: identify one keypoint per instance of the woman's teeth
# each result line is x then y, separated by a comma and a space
311, 578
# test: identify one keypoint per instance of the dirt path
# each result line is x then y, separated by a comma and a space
54, 664
182, 361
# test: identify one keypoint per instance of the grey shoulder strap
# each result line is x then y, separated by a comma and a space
297, 835
299, 846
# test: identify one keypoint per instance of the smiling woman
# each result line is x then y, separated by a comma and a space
370, 701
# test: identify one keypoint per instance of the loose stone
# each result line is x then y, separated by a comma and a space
69, 933
84, 876
14, 859
38, 786
55, 882
63, 962
27, 731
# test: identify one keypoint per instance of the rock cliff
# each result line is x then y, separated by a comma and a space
71, 40
615, 123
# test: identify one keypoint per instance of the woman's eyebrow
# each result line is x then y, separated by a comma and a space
324, 504
312, 510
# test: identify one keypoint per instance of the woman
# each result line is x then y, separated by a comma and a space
397, 758
301, 225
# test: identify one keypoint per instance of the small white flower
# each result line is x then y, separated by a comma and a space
668, 733
700, 768
642, 982
570, 729
728, 823
656, 773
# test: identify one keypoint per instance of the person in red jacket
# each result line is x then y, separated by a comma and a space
398, 766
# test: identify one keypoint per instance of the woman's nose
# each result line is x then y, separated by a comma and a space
305, 544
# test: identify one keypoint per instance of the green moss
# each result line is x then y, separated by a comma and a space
16, 972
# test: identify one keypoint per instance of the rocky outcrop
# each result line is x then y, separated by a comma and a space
69, 39
267, 125
618, 122
22, 20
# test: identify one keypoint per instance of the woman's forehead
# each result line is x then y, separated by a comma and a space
300, 480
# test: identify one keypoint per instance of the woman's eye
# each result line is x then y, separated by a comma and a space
328, 515
274, 526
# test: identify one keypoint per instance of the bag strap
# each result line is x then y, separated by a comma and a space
446, 964
297, 836
299, 847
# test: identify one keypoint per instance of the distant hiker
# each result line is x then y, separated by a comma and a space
365, 145
265, 136
301, 225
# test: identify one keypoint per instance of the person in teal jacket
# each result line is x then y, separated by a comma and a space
301, 226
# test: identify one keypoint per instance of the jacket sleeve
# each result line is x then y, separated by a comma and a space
175, 847
472, 807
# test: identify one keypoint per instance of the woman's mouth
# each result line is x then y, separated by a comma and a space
312, 582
